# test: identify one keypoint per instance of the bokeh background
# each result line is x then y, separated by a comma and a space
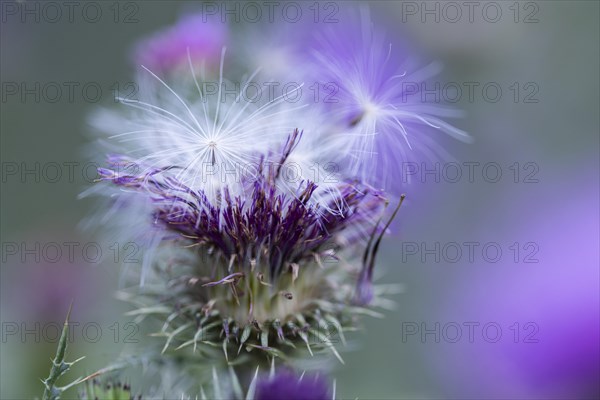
523, 324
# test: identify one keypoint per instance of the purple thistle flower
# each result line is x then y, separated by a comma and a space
265, 249
252, 259
199, 35
287, 385
266, 223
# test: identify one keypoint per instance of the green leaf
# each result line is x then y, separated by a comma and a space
60, 366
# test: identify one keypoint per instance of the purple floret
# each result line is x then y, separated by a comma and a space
286, 385
277, 228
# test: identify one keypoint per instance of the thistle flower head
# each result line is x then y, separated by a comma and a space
261, 276
246, 258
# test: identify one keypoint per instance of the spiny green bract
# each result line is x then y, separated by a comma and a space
303, 311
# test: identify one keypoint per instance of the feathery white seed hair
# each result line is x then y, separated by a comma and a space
317, 157
215, 139
381, 133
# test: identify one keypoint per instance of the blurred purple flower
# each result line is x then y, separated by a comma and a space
203, 37
287, 385
549, 311
54, 273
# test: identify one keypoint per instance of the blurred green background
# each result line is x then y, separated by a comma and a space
559, 133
